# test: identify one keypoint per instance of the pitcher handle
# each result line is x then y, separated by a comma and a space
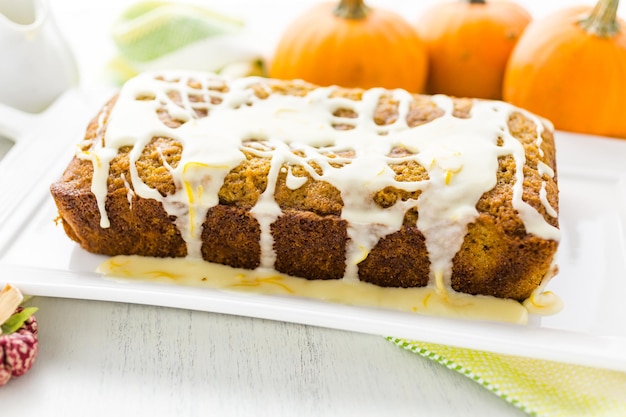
14, 123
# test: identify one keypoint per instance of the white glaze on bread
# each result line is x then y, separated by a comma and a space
460, 155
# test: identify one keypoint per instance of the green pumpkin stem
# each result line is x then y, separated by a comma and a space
602, 21
351, 9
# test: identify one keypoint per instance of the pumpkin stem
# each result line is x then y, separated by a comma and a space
351, 9
602, 21
477, 1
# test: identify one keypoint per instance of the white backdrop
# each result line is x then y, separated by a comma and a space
87, 24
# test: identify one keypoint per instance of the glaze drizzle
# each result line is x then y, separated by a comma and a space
459, 154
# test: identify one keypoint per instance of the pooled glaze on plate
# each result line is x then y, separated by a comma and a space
422, 300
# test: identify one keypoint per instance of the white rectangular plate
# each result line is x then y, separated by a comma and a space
36, 255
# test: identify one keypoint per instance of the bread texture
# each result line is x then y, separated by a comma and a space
309, 233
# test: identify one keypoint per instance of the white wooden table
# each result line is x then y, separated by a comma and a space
117, 359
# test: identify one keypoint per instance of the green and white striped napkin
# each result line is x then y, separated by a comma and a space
538, 387
153, 35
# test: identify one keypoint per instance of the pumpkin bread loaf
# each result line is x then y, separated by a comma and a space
381, 186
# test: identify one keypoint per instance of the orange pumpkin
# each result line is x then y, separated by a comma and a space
469, 43
351, 45
570, 67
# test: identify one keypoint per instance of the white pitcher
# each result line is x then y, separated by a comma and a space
36, 65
